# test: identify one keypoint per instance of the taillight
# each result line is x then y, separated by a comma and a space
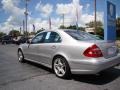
93, 51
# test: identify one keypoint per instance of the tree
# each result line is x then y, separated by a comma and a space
74, 27
118, 26
42, 29
32, 33
81, 28
118, 22
100, 30
14, 33
2, 34
91, 24
62, 27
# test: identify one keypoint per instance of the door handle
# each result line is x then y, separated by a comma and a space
53, 47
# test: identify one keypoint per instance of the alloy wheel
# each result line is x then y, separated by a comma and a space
59, 67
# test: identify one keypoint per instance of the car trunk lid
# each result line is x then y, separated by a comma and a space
108, 48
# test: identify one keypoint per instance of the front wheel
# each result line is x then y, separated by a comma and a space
61, 67
20, 56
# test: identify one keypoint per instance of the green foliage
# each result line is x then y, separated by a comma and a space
42, 29
118, 27
74, 27
32, 33
62, 27
92, 24
118, 38
14, 33
26, 33
118, 22
100, 30
2, 34
81, 28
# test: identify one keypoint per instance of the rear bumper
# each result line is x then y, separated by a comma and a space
93, 66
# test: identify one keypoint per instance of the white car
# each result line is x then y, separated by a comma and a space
70, 52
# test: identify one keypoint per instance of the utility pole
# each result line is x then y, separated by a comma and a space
63, 19
20, 30
95, 25
49, 22
23, 28
34, 29
26, 15
77, 18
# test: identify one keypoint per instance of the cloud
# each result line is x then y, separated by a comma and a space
68, 9
71, 10
87, 6
14, 20
85, 18
6, 27
46, 9
76, 2
100, 16
63, 8
10, 6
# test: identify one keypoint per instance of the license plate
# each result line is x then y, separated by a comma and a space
111, 51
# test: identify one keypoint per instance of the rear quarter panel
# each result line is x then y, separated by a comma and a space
74, 51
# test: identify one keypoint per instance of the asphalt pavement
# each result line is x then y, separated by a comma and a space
30, 76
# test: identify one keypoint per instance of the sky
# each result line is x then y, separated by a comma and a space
12, 13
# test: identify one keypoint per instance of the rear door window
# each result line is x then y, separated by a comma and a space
52, 37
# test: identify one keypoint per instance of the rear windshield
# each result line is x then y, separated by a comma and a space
79, 35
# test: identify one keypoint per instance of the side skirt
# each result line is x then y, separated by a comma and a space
46, 65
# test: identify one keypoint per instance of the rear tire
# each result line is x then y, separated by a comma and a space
61, 68
20, 56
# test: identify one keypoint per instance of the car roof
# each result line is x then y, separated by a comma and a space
51, 30
60, 30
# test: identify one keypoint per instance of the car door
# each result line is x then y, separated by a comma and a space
32, 49
49, 47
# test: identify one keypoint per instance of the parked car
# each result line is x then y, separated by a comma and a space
7, 39
70, 52
20, 40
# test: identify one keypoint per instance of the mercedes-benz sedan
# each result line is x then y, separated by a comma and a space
70, 52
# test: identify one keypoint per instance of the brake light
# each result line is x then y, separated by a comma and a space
93, 51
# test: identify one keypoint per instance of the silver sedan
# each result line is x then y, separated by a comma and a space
70, 52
